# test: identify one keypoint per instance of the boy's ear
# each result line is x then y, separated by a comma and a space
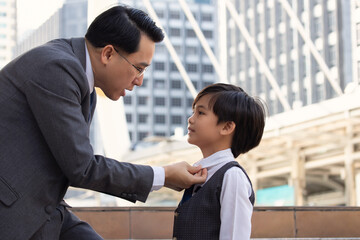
228, 128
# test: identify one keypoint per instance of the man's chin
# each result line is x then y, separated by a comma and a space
122, 94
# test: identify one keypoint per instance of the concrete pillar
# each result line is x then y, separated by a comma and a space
298, 176
350, 196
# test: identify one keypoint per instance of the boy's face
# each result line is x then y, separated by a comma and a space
203, 130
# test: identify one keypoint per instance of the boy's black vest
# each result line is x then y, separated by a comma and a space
199, 217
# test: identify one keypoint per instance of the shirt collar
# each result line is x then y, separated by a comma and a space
216, 159
88, 70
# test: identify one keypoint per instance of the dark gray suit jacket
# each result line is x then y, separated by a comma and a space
44, 139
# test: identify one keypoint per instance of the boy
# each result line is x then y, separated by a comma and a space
226, 122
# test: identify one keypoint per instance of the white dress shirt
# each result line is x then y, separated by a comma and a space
236, 208
159, 172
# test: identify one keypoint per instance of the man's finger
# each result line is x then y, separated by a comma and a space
193, 169
201, 178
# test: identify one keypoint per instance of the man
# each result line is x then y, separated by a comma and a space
47, 99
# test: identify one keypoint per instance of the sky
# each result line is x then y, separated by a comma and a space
32, 13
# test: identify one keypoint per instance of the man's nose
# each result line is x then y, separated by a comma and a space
138, 81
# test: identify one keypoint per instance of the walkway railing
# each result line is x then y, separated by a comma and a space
267, 222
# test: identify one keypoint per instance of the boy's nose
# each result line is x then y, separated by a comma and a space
190, 119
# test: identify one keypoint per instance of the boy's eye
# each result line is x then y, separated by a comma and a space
201, 113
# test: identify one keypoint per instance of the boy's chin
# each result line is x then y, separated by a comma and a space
191, 141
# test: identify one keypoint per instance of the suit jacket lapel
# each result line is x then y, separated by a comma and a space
78, 46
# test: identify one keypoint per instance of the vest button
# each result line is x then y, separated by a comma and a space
49, 209
174, 238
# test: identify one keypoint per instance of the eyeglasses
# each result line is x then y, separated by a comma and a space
141, 71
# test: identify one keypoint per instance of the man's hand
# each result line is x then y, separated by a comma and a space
182, 175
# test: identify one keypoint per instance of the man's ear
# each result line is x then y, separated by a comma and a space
106, 54
228, 128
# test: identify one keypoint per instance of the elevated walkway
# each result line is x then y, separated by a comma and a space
267, 222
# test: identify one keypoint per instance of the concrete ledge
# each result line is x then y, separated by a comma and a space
267, 222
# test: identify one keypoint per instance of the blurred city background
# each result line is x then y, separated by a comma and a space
302, 57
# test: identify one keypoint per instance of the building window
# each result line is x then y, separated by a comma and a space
332, 56
2, 14
160, 48
174, 15
176, 84
191, 67
207, 83
130, 136
159, 101
174, 67
145, 82
128, 118
159, 13
206, 17
142, 100
127, 100
208, 34
189, 102
194, 14
143, 118
175, 32
190, 33
191, 50
176, 119
177, 49
358, 33
317, 27
331, 21
160, 134
160, 119
281, 75
358, 69
176, 102
206, 68
142, 135
195, 84
160, 66
159, 83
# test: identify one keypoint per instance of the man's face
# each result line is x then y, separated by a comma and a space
120, 71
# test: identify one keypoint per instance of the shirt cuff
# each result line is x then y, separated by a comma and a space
159, 178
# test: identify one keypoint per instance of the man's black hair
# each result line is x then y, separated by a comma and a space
122, 26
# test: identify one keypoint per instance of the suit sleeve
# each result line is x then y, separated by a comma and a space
56, 98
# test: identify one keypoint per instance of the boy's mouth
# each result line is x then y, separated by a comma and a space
190, 129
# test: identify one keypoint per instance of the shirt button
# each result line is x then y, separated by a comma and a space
176, 214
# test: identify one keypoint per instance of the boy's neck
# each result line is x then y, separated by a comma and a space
206, 152
222, 143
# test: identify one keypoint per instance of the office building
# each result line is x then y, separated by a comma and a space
164, 103
7, 30
68, 21
356, 39
263, 35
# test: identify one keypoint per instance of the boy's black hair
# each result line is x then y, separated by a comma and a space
232, 103
121, 26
